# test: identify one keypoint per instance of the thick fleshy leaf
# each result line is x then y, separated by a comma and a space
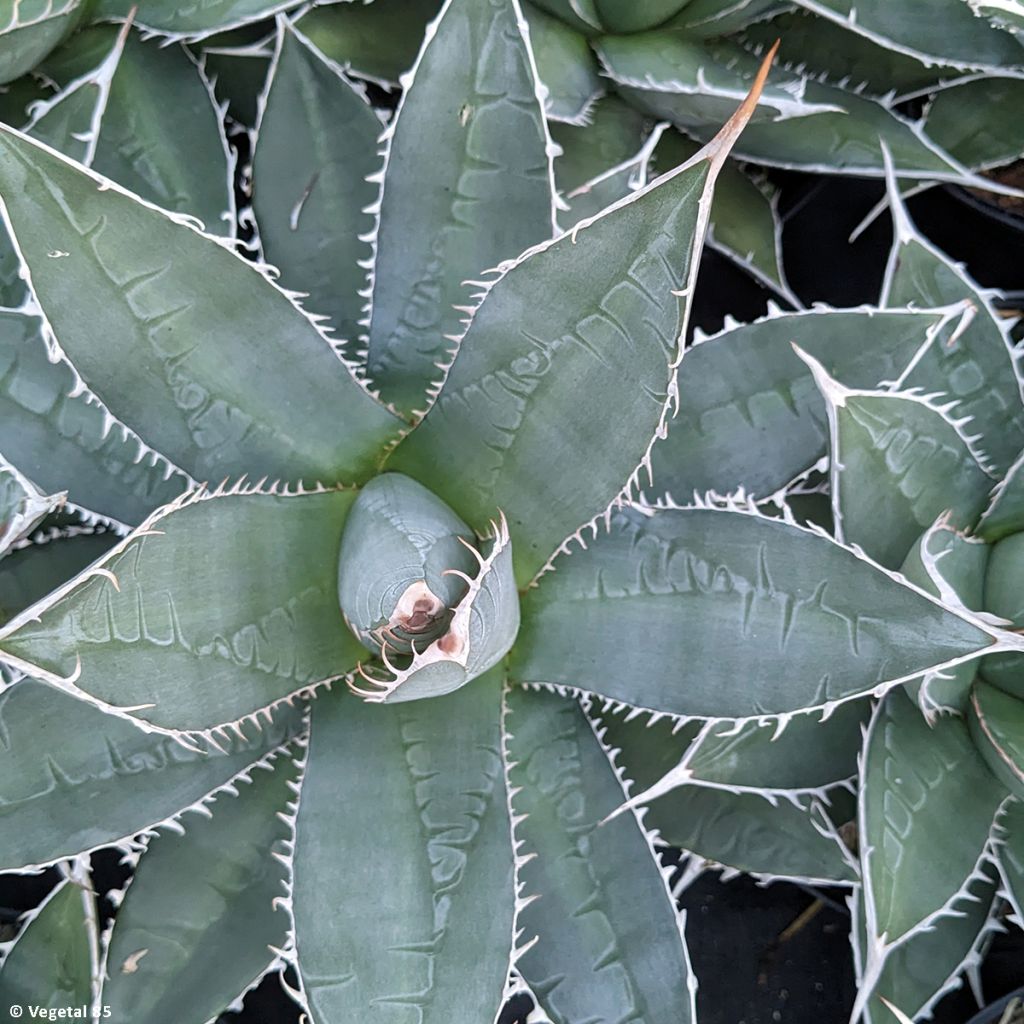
679, 79
32, 570
601, 162
897, 462
975, 367
64, 441
831, 49
1011, 854
946, 32
140, 142
746, 831
1005, 512
743, 389
395, 584
950, 567
600, 314
913, 862
636, 15
70, 121
51, 966
916, 974
467, 183
608, 937
30, 30
376, 41
191, 20
970, 119
73, 779
213, 609
715, 592
136, 301
482, 628
828, 129
566, 66
745, 224
22, 505
198, 921
428, 775
807, 754
316, 145
1004, 596
996, 722
1005, 14
578, 14
708, 19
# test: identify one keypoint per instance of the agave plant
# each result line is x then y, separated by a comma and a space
389, 630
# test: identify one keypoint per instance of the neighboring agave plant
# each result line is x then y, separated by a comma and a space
550, 673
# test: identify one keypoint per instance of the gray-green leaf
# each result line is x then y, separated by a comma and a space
22, 505
215, 608
598, 314
915, 858
467, 183
975, 366
52, 963
136, 301
73, 778
608, 937
713, 592
950, 567
65, 440
198, 922
743, 389
428, 776
316, 145
897, 462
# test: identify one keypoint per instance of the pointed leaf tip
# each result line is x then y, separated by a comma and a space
718, 148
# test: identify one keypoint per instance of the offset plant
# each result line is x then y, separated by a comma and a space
488, 592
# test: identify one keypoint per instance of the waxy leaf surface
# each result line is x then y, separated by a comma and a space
136, 301
201, 906
467, 183
742, 390
913, 861
316, 145
584, 325
51, 964
974, 366
221, 607
897, 463
949, 566
712, 593
428, 775
64, 442
73, 778
609, 943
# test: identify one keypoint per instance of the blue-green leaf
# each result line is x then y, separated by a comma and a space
608, 939
316, 144
217, 607
136, 300
199, 922
467, 183
439, 891
715, 591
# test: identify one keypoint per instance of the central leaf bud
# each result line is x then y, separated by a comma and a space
438, 605
405, 562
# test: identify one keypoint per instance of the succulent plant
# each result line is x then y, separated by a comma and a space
389, 579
